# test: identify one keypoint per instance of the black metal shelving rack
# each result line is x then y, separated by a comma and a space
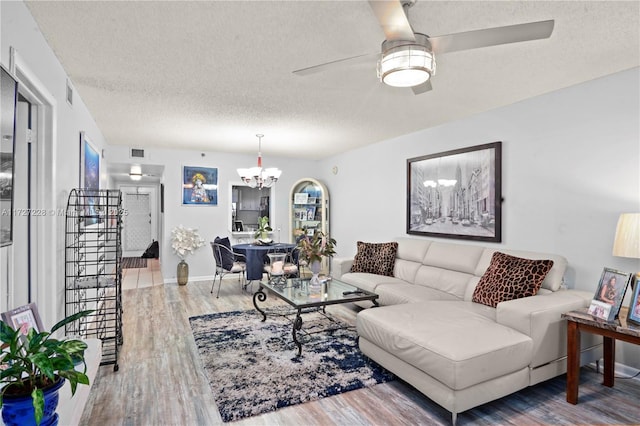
93, 267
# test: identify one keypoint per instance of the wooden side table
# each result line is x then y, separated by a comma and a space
580, 321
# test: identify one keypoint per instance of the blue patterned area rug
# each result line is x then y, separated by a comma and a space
252, 368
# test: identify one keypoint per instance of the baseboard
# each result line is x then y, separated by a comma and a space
191, 279
619, 370
70, 407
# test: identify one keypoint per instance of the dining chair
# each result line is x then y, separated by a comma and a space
300, 263
275, 268
292, 263
280, 264
227, 262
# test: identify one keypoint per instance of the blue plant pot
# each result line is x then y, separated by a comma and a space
18, 410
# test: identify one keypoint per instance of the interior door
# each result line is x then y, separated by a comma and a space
25, 214
137, 222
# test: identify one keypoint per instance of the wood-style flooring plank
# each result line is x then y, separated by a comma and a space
161, 381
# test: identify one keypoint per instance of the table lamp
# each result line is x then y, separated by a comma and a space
627, 240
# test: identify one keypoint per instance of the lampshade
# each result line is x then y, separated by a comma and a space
406, 64
627, 240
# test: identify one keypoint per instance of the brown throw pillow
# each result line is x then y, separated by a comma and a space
509, 277
375, 258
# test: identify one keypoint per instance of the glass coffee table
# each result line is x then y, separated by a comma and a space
297, 293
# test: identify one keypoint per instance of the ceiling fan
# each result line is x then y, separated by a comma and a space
408, 58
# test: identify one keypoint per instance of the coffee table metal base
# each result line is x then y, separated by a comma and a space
333, 293
261, 296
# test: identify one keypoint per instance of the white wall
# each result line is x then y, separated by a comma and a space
211, 221
570, 166
19, 30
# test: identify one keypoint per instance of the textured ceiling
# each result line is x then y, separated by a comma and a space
210, 75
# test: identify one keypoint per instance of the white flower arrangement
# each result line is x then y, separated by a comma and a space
185, 241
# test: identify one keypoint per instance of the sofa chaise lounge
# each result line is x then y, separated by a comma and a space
459, 353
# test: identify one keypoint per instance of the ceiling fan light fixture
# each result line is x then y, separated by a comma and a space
405, 63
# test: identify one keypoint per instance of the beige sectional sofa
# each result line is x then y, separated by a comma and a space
459, 353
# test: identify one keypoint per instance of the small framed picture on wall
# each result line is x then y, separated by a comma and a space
199, 186
90, 179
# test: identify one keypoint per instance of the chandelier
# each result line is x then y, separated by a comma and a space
257, 177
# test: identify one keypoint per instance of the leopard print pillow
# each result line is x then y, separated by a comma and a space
375, 258
509, 277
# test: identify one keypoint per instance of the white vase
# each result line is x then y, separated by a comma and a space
314, 283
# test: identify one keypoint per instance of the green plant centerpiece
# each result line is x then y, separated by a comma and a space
262, 233
313, 248
36, 361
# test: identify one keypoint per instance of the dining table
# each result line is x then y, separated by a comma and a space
255, 255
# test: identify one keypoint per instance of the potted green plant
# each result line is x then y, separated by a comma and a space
33, 369
313, 248
262, 233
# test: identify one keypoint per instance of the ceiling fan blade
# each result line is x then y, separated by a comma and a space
392, 19
366, 58
492, 36
421, 88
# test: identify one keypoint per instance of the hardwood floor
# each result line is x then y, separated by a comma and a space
161, 382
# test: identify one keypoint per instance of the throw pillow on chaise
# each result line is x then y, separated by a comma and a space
510, 277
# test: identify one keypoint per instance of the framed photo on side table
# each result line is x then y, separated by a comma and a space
23, 318
634, 307
609, 294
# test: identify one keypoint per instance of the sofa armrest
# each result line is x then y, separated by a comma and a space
340, 266
539, 318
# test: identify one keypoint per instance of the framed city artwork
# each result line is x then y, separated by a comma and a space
89, 180
199, 186
609, 294
456, 194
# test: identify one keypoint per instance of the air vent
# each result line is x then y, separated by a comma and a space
137, 153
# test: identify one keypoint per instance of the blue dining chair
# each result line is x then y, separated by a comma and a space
227, 262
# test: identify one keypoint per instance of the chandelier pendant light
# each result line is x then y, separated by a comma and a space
257, 177
406, 63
